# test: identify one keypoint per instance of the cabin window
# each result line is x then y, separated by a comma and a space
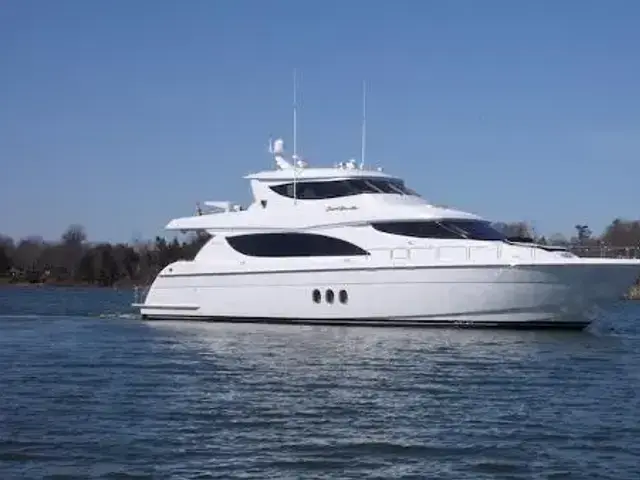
448, 229
329, 296
417, 229
293, 245
474, 229
343, 296
341, 188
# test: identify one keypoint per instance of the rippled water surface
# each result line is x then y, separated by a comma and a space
89, 391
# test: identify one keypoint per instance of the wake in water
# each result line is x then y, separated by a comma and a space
52, 316
119, 316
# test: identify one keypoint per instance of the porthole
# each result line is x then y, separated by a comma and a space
329, 296
343, 296
317, 296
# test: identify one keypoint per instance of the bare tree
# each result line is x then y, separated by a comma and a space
75, 235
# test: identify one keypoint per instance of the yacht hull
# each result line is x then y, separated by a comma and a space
551, 295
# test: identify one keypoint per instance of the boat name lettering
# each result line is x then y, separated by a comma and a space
341, 208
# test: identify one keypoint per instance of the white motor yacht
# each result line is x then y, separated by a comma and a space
352, 246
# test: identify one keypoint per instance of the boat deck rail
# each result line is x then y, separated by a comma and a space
479, 253
605, 251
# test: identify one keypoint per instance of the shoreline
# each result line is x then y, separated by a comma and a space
4, 283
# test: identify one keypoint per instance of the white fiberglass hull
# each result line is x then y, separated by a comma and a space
535, 295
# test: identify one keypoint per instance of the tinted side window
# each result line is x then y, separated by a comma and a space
417, 229
341, 188
316, 190
362, 185
392, 186
286, 189
399, 185
292, 245
382, 186
474, 229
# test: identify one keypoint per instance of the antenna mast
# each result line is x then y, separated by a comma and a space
295, 136
295, 115
364, 124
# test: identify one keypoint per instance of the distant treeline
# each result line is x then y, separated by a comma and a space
73, 260
620, 233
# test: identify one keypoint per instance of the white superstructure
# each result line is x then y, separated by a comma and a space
346, 245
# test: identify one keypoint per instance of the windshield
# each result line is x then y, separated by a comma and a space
442, 229
342, 188
473, 229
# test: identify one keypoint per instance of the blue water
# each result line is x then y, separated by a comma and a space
89, 391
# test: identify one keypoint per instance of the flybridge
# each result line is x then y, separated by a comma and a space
276, 148
293, 181
299, 169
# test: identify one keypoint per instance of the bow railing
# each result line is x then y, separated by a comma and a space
605, 251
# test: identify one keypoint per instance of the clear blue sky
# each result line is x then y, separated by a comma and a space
120, 115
